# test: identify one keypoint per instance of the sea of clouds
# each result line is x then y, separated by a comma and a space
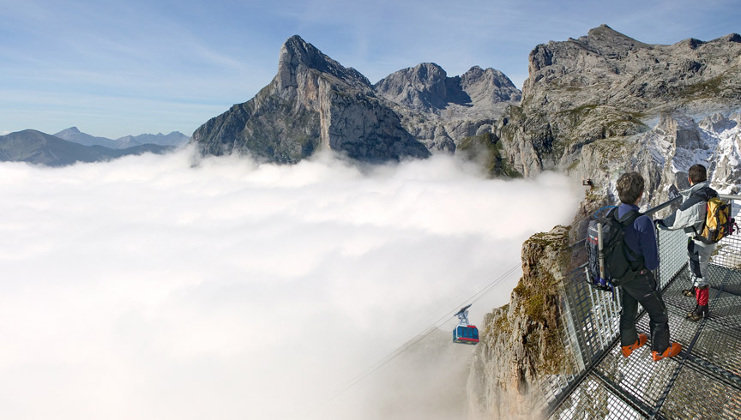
168, 287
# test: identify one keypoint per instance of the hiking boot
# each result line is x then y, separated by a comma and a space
627, 350
689, 292
700, 312
671, 351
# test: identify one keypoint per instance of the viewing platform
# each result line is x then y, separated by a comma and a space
702, 382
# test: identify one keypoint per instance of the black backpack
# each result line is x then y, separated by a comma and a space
616, 263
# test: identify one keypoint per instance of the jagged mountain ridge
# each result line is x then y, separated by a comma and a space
445, 112
609, 86
314, 102
602, 86
427, 88
623, 72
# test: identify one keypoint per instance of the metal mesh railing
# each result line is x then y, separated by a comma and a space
703, 382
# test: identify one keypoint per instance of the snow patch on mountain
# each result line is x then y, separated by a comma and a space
678, 142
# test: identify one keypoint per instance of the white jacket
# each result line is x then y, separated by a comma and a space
691, 213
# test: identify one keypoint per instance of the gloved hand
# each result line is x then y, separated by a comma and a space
660, 224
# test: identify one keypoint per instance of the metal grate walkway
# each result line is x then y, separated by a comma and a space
703, 382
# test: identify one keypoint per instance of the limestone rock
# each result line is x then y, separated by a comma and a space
425, 87
444, 112
607, 85
313, 102
521, 342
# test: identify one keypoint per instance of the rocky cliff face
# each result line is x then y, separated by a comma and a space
312, 102
663, 154
521, 342
606, 67
606, 86
427, 88
447, 113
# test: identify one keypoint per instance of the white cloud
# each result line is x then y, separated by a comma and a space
149, 288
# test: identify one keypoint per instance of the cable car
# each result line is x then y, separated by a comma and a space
465, 333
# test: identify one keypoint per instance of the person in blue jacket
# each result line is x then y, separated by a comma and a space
640, 238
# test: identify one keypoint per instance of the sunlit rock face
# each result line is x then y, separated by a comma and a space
521, 342
316, 103
313, 102
608, 88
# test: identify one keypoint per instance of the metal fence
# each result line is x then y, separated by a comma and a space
702, 382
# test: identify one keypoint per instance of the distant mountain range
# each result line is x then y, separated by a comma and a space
73, 134
71, 145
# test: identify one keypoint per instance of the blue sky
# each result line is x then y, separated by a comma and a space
114, 68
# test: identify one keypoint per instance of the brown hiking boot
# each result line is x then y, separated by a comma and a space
689, 292
671, 351
700, 312
627, 350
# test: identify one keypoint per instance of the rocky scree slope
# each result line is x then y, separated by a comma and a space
314, 102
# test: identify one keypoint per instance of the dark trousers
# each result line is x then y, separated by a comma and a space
642, 289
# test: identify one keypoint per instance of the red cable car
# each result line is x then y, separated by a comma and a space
465, 333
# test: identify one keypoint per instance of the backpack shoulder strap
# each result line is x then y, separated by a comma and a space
625, 222
628, 218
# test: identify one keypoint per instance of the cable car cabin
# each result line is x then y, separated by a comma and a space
466, 334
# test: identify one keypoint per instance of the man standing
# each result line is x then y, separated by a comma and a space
640, 285
690, 216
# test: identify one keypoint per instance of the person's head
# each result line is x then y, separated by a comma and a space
630, 187
697, 173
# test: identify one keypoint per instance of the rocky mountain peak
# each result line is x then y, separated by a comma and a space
487, 87
427, 88
312, 103
607, 67
474, 72
427, 73
604, 36
424, 87
74, 130
297, 56
734, 37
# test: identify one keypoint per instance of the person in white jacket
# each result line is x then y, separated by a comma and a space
691, 216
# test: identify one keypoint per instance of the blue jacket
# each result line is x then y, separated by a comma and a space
641, 237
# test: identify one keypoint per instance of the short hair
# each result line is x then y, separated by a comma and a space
630, 187
698, 173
